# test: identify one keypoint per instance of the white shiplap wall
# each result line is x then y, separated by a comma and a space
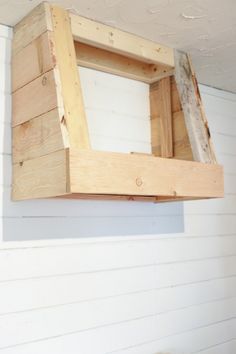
156, 292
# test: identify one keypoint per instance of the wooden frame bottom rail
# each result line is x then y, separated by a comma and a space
75, 172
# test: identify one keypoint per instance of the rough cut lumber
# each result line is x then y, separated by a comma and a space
32, 26
127, 44
39, 136
42, 177
197, 128
75, 118
32, 61
96, 172
36, 98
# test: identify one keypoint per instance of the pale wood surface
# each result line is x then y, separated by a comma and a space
38, 136
103, 36
166, 118
75, 118
32, 61
198, 131
32, 26
42, 177
181, 144
114, 173
117, 64
36, 98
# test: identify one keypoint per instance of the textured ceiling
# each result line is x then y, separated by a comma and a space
205, 28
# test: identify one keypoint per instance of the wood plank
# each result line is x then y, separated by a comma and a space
38, 136
35, 98
32, 61
198, 131
95, 172
166, 118
106, 37
42, 177
181, 144
75, 118
117, 64
32, 26
136, 198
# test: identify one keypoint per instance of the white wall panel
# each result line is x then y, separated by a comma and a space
150, 278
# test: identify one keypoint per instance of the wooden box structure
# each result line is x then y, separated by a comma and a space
51, 148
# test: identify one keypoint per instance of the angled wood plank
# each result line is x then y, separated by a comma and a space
32, 26
75, 118
198, 131
106, 37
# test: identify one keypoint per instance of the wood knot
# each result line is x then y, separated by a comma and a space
44, 80
139, 181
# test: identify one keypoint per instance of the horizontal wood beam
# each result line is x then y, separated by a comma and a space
117, 64
117, 41
94, 172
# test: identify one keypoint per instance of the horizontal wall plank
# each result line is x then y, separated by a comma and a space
189, 342
80, 257
159, 288
46, 323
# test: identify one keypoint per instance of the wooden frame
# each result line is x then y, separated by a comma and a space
51, 148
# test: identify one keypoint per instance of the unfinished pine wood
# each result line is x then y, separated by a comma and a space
166, 118
32, 61
95, 172
137, 198
117, 64
198, 131
181, 145
75, 118
127, 44
39, 136
42, 177
51, 148
36, 98
32, 26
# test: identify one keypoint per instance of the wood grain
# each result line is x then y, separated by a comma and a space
42, 177
38, 136
36, 98
32, 61
75, 118
106, 37
95, 172
32, 26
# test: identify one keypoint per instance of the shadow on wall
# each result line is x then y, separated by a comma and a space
55, 218
51, 219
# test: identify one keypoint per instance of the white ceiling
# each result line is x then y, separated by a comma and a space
205, 28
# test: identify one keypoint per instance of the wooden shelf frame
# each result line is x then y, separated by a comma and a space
52, 156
